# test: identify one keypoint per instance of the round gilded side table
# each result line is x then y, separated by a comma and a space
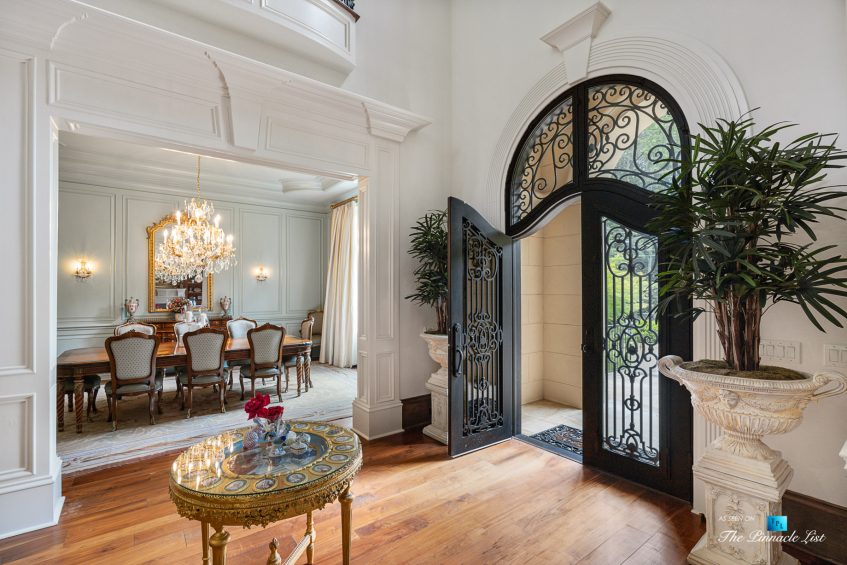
219, 483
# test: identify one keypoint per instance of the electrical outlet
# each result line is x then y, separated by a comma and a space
780, 351
835, 356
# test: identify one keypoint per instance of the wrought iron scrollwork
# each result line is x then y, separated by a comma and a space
631, 136
631, 337
481, 338
546, 160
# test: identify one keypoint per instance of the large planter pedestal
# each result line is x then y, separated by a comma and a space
743, 477
437, 385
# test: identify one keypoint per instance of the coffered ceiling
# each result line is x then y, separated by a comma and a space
126, 165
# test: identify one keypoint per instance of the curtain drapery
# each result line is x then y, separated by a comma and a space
340, 328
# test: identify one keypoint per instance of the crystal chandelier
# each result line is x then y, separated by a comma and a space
194, 247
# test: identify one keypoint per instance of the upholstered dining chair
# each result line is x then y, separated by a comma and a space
205, 366
141, 327
132, 363
182, 328
290, 361
238, 329
265, 357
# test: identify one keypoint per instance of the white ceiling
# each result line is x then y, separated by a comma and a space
177, 169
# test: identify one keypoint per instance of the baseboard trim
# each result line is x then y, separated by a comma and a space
806, 513
417, 411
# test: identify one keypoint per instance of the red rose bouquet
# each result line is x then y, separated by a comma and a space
257, 407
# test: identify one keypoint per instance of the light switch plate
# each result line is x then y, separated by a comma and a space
780, 351
835, 356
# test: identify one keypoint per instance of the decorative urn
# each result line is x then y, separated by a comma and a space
225, 303
744, 478
131, 307
437, 385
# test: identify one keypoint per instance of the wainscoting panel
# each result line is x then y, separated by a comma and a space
16, 255
90, 300
16, 417
306, 265
261, 235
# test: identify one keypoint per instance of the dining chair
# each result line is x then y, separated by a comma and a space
265, 356
132, 363
205, 365
290, 361
147, 329
182, 328
238, 329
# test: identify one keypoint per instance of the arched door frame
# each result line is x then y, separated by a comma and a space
697, 78
582, 183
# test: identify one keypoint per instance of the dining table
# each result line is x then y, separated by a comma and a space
78, 363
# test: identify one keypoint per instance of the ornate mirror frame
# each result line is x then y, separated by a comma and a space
151, 262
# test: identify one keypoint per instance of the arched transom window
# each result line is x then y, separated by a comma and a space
612, 131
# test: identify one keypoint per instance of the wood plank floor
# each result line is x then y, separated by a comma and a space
510, 503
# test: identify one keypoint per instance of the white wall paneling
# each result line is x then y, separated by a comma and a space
107, 226
158, 89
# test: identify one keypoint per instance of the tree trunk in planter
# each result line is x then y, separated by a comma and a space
739, 328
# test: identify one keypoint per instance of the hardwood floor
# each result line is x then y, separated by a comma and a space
510, 503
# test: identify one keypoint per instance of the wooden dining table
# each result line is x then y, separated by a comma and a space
78, 363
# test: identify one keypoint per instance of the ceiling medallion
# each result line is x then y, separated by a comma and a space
194, 248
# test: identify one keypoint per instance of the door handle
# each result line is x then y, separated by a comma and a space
587, 348
458, 349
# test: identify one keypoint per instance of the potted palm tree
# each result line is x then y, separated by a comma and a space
738, 225
429, 248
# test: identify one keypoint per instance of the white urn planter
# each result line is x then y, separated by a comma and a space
744, 478
437, 385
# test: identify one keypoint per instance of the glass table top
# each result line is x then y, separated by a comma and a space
220, 465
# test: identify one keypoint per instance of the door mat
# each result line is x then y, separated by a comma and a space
563, 437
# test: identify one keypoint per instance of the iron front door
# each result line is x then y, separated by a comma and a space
481, 317
637, 424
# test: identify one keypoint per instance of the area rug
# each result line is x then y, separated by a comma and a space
98, 446
563, 437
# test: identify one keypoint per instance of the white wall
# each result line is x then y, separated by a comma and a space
107, 225
403, 58
790, 60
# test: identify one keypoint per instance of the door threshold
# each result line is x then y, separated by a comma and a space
551, 448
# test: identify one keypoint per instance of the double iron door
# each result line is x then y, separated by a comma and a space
636, 424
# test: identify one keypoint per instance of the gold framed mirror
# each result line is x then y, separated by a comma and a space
159, 293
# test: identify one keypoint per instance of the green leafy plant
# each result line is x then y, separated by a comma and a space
429, 247
731, 223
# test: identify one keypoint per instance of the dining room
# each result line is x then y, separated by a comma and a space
160, 249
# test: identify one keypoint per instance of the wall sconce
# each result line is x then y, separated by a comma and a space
83, 271
262, 275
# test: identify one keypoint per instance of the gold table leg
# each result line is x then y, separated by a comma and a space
218, 543
346, 499
310, 533
204, 529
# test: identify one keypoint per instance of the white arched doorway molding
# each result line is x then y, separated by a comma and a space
65, 66
697, 78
